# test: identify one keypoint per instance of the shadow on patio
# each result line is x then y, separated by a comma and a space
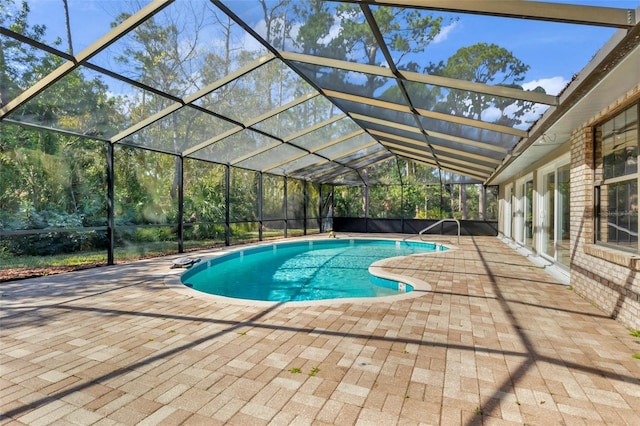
496, 340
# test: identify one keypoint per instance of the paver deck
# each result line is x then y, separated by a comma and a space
496, 341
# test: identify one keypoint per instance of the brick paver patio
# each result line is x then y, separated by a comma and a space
496, 341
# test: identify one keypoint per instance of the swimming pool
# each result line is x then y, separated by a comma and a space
301, 271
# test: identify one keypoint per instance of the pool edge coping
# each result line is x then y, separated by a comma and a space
173, 282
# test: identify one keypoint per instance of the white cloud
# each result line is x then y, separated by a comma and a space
334, 32
491, 114
444, 32
552, 86
356, 77
534, 114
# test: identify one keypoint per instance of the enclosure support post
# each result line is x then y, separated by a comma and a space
304, 206
259, 206
441, 189
320, 200
286, 207
401, 193
366, 208
333, 204
180, 172
227, 196
482, 208
110, 206
402, 209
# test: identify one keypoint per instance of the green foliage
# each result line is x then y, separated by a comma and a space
635, 333
204, 232
56, 184
404, 31
244, 231
14, 75
243, 202
143, 187
317, 21
487, 64
295, 199
272, 197
349, 201
54, 242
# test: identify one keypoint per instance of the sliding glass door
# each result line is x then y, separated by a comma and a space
554, 215
548, 214
528, 213
508, 212
523, 223
562, 216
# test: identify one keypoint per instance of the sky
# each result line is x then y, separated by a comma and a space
554, 51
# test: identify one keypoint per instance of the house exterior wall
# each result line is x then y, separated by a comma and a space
607, 277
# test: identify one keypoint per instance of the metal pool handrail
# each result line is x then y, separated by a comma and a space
438, 223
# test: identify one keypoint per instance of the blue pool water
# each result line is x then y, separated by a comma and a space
309, 270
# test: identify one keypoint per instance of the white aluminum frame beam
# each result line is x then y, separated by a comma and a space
451, 83
457, 139
98, 46
533, 10
426, 113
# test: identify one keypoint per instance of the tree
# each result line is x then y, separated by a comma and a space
16, 58
348, 201
274, 14
404, 31
342, 33
49, 179
317, 20
163, 53
68, 26
487, 64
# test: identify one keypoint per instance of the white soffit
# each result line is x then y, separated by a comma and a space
622, 79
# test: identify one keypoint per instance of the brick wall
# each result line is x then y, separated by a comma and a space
608, 278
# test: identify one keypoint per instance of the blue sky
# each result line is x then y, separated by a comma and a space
555, 51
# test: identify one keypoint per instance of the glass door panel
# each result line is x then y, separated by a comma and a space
519, 214
562, 228
528, 213
548, 211
507, 211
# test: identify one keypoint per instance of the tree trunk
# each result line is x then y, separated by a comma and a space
68, 25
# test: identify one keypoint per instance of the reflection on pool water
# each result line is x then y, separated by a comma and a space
309, 270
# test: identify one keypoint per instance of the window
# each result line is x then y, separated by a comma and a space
617, 195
